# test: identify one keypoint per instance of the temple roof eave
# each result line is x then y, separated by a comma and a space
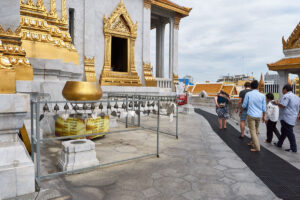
166, 4
285, 64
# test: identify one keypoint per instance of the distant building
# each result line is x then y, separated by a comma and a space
271, 78
187, 80
235, 79
211, 89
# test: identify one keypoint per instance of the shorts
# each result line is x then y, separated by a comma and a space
243, 115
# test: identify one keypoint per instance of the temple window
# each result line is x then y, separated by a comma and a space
71, 23
119, 54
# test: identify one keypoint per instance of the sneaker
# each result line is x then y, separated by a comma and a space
275, 143
266, 141
290, 150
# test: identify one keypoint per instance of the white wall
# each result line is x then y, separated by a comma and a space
89, 37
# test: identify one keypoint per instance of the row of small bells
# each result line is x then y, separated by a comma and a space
116, 111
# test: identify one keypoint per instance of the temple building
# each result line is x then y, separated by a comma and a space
103, 41
212, 89
290, 64
44, 43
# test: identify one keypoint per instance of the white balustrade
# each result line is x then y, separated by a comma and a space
164, 82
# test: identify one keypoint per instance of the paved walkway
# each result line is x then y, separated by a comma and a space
197, 166
279, 175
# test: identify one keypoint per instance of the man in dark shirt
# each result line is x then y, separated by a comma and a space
243, 112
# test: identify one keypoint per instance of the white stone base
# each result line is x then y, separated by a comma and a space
16, 167
16, 170
78, 154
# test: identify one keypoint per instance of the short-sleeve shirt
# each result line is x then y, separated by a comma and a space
243, 94
256, 103
291, 103
222, 100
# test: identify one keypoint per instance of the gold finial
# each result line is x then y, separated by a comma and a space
64, 17
261, 85
53, 8
40, 4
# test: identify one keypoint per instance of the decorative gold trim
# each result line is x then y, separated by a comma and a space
293, 41
53, 12
119, 24
261, 85
177, 19
44, 35
147, 4
89, 67
150, 81
64, 18
175, 80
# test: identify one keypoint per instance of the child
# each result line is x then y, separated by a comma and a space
272, 116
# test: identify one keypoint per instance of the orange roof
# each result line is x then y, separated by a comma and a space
190, 88
228, 89
210, 88
167, 4
285, 63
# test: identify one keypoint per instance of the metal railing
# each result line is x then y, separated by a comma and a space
139, 99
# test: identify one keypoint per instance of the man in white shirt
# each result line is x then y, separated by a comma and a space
272, 115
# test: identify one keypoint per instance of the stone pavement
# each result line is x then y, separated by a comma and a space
197, 166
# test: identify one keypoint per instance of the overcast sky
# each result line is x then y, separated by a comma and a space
223, 37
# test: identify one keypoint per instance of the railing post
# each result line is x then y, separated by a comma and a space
127, 111
157, 136
38, 166
32, 130
139, 112
176, 116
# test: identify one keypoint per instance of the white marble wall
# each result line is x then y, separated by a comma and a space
10, 14
89, 37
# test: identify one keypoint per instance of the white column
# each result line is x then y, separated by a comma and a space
175, 51
283, 79
160, 41
171, 47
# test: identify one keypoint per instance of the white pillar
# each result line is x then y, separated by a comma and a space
283, 80
160, 41
146, 37
171, 48
175, 51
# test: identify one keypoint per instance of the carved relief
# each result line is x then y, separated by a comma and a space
64, 18
13, 62
89, 66
119, 24
294, 40
46, 32
150, 81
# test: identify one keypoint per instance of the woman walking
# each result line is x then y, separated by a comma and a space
222, 100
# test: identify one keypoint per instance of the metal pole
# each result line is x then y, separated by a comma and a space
139, 112
38, 166
133, 108
157, 133
127, 111
32, 131
176, 117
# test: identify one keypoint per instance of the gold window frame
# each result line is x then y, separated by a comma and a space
120, 25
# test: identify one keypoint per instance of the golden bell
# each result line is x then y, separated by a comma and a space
82, 91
